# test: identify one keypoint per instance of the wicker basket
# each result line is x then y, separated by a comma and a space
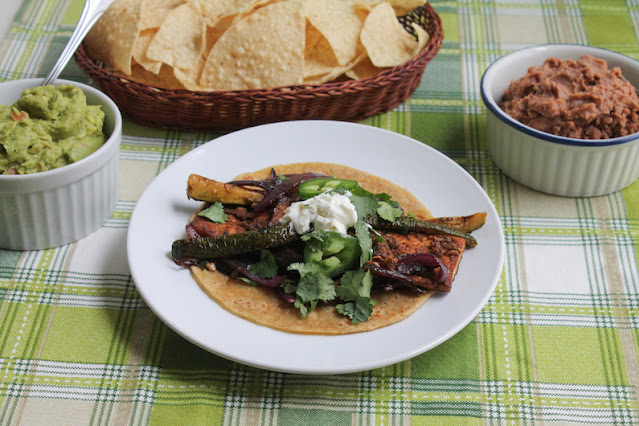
222, 111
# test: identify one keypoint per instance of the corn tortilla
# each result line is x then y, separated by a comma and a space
263, 306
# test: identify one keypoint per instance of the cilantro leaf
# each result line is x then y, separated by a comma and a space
289, 286
354, 284
358, 311
347, 309
365, 241
315, 240
214, 213
387, 198
365, 205
387, 212
313, 284
266, 267
304, 310
355, 290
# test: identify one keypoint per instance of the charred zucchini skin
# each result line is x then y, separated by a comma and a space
206, 248
409, 223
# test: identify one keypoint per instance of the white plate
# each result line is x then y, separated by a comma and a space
447, 189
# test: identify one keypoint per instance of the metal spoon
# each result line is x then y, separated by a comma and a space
93, 9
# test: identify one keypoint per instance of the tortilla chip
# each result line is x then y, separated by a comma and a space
319, 58
263, 306
139, 51
313, 37
112, 37
180, 40
189, 77
386, 41
213, 11
154, 12
165, 78
213, 33
422, 38
338, 22
364, 69
263, 49
334, 73
403, 7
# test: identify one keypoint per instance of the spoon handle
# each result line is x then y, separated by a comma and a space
93, 9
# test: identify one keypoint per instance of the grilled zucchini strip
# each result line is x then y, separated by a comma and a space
209, 190
206, 248
462, 223
409, 223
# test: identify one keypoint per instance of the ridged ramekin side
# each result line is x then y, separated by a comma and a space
560, 169
58, 216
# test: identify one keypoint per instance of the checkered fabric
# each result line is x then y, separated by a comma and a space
556, 343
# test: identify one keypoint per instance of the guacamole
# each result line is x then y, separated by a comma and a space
48, 127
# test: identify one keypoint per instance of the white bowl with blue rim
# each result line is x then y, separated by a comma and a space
549, 163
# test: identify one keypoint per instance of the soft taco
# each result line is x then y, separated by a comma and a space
403, 253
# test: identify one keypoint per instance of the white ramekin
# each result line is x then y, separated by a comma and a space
554, 164
60, 206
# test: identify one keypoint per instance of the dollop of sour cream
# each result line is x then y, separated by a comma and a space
326, 211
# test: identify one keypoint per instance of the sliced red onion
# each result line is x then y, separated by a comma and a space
274, 282
241, 269
410, 264
265, 184
186, 262
387, 273
191, 232
290, 298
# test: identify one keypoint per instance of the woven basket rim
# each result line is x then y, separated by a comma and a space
383, 78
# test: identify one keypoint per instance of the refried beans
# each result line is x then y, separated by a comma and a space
580, 99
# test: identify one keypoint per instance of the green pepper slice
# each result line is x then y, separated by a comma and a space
334, 252
316, 186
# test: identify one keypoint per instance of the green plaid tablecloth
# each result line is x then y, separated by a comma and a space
556, 343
